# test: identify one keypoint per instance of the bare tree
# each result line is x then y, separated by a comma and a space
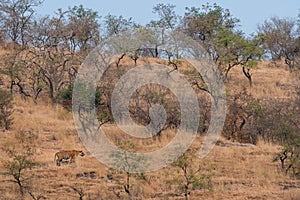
280, 39
16, 18
52, 58
12, 66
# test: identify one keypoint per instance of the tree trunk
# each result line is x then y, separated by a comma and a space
248, 75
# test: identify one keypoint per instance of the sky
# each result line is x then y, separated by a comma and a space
250, 12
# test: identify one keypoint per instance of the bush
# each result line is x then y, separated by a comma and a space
6, 109
243, 119
193, 177
66, 97
280, 125
18, 165
286, 133
274, 121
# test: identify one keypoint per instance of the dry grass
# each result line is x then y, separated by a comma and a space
247, 173
237, 172
268, 82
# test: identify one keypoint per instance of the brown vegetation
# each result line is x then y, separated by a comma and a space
257, 157
241, 172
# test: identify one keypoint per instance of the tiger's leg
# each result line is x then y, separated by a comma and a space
72, 159
58, 162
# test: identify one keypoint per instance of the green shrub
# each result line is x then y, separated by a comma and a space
66, 97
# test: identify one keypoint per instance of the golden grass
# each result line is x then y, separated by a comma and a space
268, 82
237, 172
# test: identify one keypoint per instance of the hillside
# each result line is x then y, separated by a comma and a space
236, 171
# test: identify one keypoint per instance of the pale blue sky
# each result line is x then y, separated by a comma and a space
250, 12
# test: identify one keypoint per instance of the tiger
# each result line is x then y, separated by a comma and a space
66, 155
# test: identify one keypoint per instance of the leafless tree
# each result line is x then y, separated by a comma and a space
51, 58
16, 18
280, 39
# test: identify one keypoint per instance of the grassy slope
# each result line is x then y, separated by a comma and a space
237, 172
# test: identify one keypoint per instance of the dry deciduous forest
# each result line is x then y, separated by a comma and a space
257, 156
